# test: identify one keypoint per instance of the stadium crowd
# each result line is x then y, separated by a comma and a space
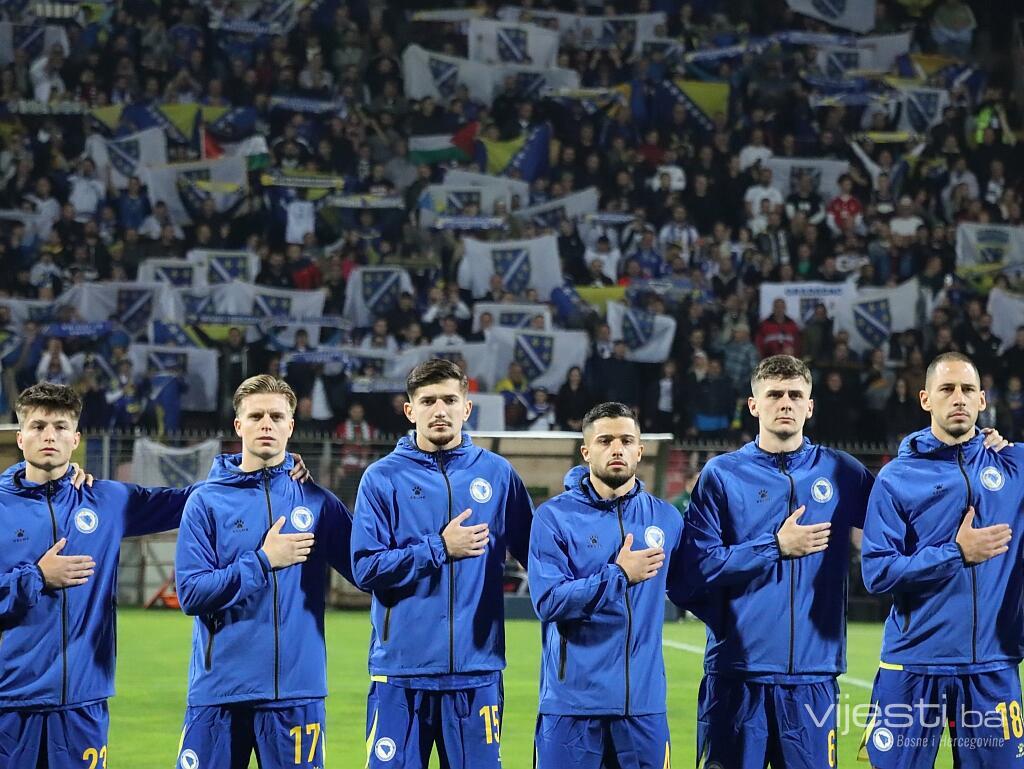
698, 208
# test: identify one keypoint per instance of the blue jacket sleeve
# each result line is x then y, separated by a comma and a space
518, 518
377, 563
150, 510
678, 584
19, 590
885, 563
556, 594
335, 535
203, 588
713, 562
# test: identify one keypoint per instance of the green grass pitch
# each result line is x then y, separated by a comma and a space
153, 649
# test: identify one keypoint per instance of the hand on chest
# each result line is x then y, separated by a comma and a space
761, 503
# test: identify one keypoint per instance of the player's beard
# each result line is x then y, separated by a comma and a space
959, 429
613, 478
442, 437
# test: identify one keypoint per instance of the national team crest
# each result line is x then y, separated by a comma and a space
178, 471
197, 304
446, 76
512, 45
654, 536
822, 490
188, 760
381, 289
873, 320
992, 479
480, 490
385, 749
177, 276
224, 268
86, 520
530, 84
534, 352
302, 518
513, 265
807, 307
513, 319
134, 308
837, 62
830, 9
637, 328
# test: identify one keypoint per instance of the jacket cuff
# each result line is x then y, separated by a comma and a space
439, 549
264, 562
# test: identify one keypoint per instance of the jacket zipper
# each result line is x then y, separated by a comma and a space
974, 576
63, 607
451, 574
277, 613
562, 656
209, 650
387, 625
792, 564
629, 611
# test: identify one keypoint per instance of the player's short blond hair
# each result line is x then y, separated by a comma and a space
264, 383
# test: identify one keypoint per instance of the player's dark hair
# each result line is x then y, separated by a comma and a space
609, 410
948, 357
50, 398
434, 371
780, 367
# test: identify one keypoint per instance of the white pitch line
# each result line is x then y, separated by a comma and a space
860, 683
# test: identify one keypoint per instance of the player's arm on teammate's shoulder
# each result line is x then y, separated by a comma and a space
376, 565
556, 593
159, 508
714, 563
885, 566
518, 518
334, 535
202, 587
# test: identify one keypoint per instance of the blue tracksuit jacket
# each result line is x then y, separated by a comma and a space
258, 633
601, 637
769, 618
432, 616
947, 616
57, 647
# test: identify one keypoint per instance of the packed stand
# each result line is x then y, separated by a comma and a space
322, 147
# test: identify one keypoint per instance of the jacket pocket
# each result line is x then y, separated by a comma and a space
387, 626
563, 654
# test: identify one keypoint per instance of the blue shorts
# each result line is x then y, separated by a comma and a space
981, 710
283, 736
602, 742
403, 725
72, 738
747, 725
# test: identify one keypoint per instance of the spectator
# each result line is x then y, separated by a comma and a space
778, 332
572, 402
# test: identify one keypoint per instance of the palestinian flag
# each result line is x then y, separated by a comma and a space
442, 148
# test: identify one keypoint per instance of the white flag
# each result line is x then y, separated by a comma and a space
184, 186
198, 365
453, 200
522, 265
858, 15
237, 298
372, 292
511, 315
130, 155
921, 108
824, 174
426, 73
479, 358
802, 298
502, 42
154, 464
1007, 311
515, 188
572, 207
488, 414
603, 31
988, 247
647, 335
133, 304
546, 356
872, 315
